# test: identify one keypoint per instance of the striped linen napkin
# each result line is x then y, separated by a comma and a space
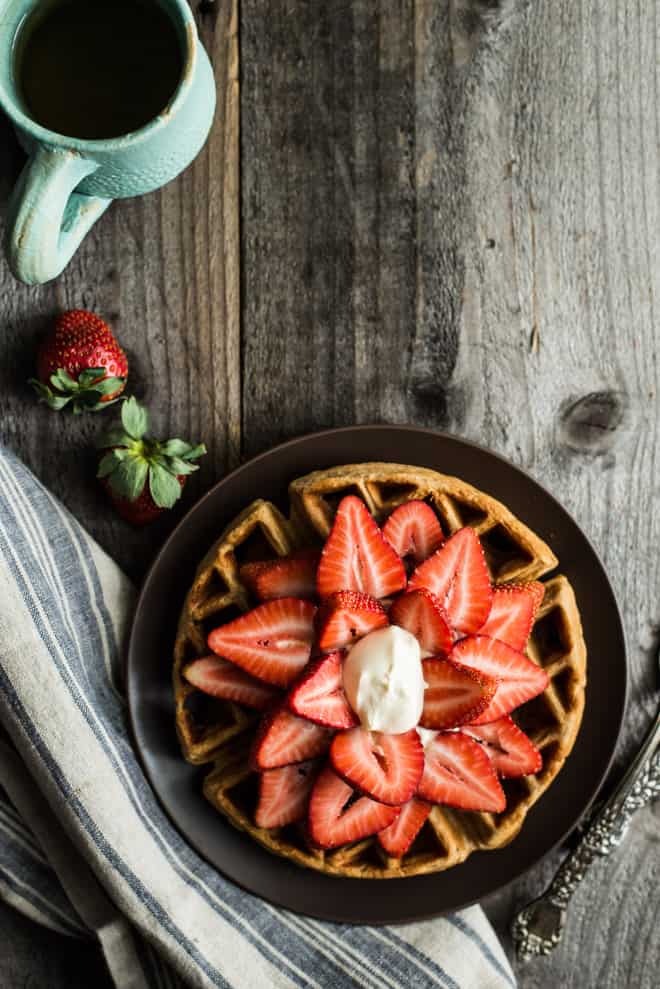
84, 846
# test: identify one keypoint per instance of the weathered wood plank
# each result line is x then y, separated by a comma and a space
562, 174
479, 257
164, 269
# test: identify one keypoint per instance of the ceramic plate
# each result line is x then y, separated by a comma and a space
179, 785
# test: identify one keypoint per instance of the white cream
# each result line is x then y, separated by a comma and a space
383, 680
426, 736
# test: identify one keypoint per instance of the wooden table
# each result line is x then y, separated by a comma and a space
438, 226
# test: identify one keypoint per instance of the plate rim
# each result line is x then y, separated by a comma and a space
132, 694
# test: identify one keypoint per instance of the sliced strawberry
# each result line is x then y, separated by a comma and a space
346, 616
335, 820
284, 794
319, 694
290, 576
509, 749
220, 678
283, 738
386, 767
457, 772
413, 531
272, 642
519, 679
454, 695
421, 613
356, 557
458, 576
512, 613
397, 839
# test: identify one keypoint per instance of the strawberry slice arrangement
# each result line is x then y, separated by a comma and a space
421, 715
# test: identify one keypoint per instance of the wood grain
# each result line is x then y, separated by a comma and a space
343, 256
567, 184
458, 229
449, 217
164, 270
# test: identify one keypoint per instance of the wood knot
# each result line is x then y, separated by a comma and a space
592, 424
435, 406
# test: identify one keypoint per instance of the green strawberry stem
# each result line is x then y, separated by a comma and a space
134, 459
85, 394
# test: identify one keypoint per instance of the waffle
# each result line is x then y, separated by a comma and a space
217, 595
223, 733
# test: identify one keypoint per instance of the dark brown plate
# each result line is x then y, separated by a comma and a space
179, 785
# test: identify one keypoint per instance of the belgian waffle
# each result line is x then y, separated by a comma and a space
217, 595
221, 732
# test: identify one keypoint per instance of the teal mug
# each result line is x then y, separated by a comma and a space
67, 183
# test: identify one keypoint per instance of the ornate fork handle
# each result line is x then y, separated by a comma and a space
537, 929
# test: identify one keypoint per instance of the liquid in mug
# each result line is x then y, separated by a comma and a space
96, 69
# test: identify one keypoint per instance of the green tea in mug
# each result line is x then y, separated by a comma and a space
97, 69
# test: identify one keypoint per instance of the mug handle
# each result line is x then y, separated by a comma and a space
46, 219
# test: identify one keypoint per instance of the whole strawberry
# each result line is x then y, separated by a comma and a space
80, 363
143, 476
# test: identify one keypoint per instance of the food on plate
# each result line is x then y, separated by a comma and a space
380, 680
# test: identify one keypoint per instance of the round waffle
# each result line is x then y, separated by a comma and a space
221, 732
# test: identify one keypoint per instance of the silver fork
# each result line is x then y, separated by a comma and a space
538, 928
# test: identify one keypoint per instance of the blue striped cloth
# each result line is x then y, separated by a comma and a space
84, 846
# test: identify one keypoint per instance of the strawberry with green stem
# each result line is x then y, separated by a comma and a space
143, 476
80, 364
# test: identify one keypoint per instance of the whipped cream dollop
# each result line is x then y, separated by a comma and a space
383, 680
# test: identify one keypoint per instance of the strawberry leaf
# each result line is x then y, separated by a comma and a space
86, 400
104, 405
47, 395
110, 461
114, 437
164, 487
194, 452
57, 402
89, 394
176, 448
178, 466
63, 381
91, 375
128, 479
135, 419
107, 386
